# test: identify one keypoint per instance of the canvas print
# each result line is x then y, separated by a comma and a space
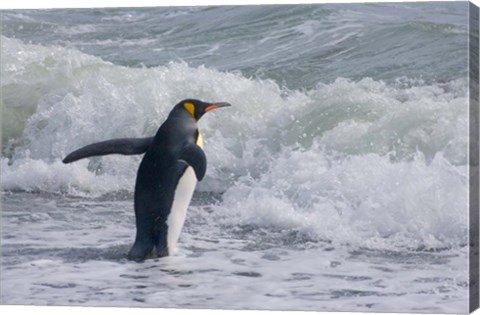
319, 157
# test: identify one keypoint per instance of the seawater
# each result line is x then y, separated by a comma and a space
338, 180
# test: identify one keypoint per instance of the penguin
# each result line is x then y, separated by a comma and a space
174, 161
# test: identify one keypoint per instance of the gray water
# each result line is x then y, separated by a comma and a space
338, 180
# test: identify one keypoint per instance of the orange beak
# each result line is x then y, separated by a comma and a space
216, 105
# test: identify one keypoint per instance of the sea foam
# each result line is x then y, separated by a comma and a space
358, 162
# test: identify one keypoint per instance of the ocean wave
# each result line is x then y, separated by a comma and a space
359, 162
57, 99
362, 201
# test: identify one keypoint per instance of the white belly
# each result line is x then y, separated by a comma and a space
181, 200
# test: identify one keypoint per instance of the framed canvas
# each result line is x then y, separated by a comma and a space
301, 157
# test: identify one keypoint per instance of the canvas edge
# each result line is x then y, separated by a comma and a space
474, 156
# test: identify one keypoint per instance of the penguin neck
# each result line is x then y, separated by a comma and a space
181, 113
177, 120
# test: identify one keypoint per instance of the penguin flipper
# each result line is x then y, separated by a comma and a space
125, 146
194, 156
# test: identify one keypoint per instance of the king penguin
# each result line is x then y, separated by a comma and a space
174, 161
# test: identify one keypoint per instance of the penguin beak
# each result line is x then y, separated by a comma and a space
216, 105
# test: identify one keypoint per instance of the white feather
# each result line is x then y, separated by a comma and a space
181, 200
176, 218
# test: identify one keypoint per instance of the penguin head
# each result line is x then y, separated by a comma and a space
197, 108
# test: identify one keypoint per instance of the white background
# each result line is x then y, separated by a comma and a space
60, 310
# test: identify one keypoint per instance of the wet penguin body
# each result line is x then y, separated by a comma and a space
173, 163
164, 176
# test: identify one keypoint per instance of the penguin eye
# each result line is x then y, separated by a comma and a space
190, 108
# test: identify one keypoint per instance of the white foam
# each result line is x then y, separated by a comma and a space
363, 200
358, 162
35, 175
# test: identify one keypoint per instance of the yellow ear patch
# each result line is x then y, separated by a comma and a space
190, 108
